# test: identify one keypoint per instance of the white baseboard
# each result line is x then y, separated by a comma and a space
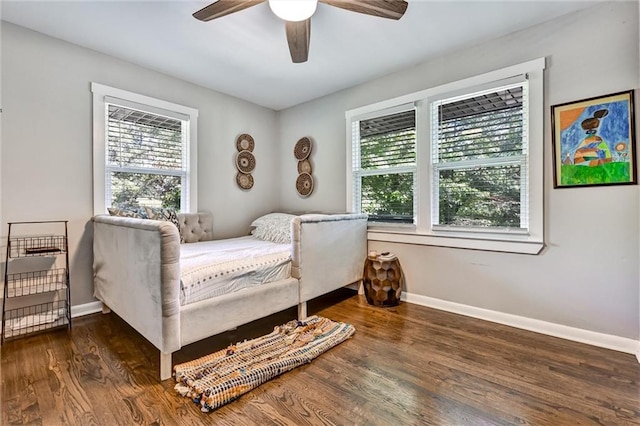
357, 287
86, 309
594, 338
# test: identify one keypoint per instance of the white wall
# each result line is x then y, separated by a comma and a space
587, 277
46, 170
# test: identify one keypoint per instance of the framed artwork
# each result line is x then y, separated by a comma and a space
594, 141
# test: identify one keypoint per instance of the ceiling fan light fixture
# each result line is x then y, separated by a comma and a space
293, 10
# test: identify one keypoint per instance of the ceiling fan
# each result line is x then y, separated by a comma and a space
297, 16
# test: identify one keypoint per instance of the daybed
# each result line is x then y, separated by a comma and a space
137, 274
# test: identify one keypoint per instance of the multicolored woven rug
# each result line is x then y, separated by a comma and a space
216, 379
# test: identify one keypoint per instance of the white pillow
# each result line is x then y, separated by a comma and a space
274, 227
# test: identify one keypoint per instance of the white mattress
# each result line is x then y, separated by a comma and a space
213, 268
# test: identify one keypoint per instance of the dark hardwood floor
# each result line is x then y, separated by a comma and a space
406, 365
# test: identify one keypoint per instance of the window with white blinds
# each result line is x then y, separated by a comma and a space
144, 152
456, 165
479, 160
146, 162
384, 167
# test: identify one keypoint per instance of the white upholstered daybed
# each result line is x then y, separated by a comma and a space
147, 277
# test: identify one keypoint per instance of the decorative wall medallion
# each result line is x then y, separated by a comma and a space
302, 149
245, 142
245, 181
245, 161
304, 166
304, 184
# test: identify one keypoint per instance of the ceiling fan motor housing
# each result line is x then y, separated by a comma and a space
293, 10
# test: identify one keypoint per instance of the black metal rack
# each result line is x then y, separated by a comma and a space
31, 287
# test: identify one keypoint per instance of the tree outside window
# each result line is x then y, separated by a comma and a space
146, 160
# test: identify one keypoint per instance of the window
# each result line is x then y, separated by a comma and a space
143, 152
479, 160
458, 165
384, 166
145, 159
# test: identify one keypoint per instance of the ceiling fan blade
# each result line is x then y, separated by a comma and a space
223, 8
391, 9
298, 36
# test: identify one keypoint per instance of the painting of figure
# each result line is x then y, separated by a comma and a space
593, 141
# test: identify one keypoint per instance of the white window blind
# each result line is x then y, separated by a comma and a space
479, 160
384, 167
146, 161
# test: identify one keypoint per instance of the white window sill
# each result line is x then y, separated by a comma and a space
408, 235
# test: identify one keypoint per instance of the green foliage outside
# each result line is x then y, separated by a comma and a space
615, 172
133, 190
388, 197
479, 196
388, 150
144, 146
483, 197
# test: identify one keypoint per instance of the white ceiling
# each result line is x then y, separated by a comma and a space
246, 55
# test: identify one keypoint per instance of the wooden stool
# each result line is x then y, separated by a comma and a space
382, 279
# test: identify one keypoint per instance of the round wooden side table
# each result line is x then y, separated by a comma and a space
382, 279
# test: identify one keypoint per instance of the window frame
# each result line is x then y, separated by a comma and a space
358, 173
104, 95
422, 232
521, 160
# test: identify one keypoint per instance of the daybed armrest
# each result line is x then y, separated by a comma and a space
136, 271
328, 251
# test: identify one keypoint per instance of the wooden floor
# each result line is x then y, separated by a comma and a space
406, 365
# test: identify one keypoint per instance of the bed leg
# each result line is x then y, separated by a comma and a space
165, 366
105, 309
302, 310
361, 287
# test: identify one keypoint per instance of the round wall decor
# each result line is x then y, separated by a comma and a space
245, 181
245, 142
245, 161
304, 184
304, 166
302, 149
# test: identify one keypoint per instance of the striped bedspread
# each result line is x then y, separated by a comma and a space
213, 268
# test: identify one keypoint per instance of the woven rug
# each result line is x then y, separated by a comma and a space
216, 379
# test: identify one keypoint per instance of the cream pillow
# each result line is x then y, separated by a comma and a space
274, 227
